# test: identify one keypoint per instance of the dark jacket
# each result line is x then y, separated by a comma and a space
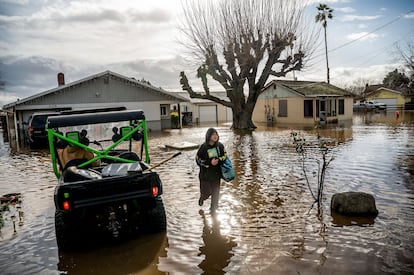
205, 154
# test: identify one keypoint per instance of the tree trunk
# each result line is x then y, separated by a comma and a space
326, 54
242, 120
242, 113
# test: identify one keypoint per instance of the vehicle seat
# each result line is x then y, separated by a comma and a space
125, 155
130, 156
72, 174
75, 162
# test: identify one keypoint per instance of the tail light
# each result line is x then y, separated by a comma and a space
30, 130
154, 191
66, 205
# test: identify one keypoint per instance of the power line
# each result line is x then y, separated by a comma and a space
381, 50
365, 35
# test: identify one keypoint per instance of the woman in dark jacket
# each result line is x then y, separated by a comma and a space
210, 156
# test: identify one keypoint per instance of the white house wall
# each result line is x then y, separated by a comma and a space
224, 114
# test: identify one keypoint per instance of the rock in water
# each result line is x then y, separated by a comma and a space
354, 204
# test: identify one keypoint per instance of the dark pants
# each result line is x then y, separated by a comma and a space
210, 188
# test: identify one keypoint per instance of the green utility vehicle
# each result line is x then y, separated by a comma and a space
114, 191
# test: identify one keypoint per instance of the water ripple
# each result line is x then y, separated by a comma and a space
264, 224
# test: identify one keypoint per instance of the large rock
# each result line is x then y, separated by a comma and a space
354, 204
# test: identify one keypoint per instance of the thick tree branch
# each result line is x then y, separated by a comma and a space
186, 87
289, 65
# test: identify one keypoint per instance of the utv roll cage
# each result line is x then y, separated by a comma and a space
137, 125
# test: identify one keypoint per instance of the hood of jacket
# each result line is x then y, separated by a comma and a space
209, 133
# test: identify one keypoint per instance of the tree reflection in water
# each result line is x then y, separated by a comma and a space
217, 247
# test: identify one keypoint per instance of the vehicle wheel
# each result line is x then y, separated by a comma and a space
64, 232
156, 218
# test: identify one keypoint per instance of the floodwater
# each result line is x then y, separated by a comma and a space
265, 224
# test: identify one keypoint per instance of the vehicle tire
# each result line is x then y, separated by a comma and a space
65, 236
156, 218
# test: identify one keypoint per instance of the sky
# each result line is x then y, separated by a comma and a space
141, 39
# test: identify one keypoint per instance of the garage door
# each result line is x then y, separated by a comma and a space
391, 102
208, 113
229, 115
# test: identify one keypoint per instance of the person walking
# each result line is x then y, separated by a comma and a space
210, 156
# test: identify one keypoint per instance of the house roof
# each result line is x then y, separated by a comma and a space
386, 89
221, 95
310, 88
371, 89
160, 91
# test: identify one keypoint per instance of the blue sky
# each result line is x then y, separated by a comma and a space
370, 55
40, 38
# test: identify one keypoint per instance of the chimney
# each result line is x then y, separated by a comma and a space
61, 79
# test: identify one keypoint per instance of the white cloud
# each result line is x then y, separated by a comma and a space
86, 12
346, 76
353, 17
374, 73
383, 9
409, 15
345, 9
92, 31
16, 2
6, 98
362, 26
363, 36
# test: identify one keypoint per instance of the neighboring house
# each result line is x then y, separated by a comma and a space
106, 90
206, 111
302, 102
392, 97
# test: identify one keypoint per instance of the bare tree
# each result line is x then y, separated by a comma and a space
324, 13
406, 55
302, 147
240, 44
358, 86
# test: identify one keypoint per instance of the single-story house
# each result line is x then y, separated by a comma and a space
302, 102
394, 98
104, 90
201, 111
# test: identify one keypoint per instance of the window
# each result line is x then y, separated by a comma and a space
341, 108
308, 108
163, 110
282, 108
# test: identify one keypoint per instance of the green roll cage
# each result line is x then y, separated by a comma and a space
138, 124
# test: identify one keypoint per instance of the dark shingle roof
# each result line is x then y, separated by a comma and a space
312, 88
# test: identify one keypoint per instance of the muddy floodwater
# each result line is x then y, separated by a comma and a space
264, 224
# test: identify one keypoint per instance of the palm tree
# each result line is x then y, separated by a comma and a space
324, 13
